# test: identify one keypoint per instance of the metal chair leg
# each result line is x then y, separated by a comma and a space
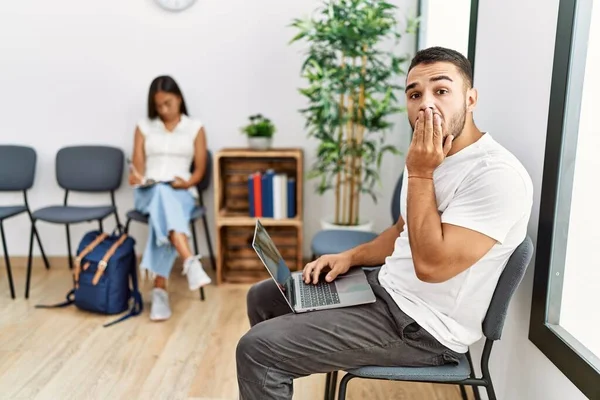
333, 386
37, 237
463, 392
343, 386
194, 237
208, 242
475, 388
127, 225
118, 221
7, 261
490, 390
29, 261
327, 385
69, 247
100, 225
36, 233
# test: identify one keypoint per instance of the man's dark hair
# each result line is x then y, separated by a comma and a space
442, 54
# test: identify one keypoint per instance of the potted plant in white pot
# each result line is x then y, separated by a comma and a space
259, 131
351, 93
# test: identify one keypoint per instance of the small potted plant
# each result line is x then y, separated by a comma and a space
259, 131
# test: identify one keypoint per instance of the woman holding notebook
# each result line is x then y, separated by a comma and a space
165, 145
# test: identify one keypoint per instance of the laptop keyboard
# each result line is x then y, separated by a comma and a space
321, 294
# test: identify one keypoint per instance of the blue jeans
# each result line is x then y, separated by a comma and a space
169, 210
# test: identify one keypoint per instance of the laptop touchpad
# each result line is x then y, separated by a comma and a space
351, 284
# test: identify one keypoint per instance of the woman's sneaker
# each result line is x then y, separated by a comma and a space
160, 310
196, 275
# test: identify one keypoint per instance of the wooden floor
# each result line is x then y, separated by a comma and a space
67, 354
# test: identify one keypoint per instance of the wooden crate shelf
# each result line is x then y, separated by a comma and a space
237, 261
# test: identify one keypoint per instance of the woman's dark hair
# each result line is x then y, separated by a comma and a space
164, 84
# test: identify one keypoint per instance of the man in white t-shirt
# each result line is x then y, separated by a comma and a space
465, 205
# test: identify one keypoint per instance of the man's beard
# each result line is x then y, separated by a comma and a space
455, 126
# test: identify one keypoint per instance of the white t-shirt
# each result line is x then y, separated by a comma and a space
169, 154
484, 188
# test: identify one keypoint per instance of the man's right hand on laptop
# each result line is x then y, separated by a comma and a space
334, 264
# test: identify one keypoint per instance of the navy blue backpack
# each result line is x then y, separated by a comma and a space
103, 267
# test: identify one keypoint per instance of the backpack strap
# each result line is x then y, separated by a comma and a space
70, 300
90, 247
77, 270
138, 305
104, 262
87, 250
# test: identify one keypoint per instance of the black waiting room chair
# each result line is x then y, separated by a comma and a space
17, 173
86, 169
199, 212
463, 373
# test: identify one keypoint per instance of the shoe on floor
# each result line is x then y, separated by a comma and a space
160, 310
196, 275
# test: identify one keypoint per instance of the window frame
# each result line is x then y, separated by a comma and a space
473, 14
559, 346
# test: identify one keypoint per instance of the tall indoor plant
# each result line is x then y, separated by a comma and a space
351, 93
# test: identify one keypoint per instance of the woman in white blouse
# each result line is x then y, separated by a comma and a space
165, 145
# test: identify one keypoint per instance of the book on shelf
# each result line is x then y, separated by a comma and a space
271, 195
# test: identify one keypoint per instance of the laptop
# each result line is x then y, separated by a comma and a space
346, 290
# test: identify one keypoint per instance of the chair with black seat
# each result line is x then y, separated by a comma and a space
17, 173
334, 241
463, 373
86, 169
198, 212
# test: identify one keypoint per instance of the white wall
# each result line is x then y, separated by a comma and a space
76, 71
513, 69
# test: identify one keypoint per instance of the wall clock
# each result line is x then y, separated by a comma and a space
175, 5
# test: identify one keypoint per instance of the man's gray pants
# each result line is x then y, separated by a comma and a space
282, 346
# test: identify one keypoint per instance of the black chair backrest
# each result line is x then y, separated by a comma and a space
17, 167
396, 200
509, 280
90, 168
206, 179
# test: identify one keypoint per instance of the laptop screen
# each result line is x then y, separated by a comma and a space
273, 261
264, 246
